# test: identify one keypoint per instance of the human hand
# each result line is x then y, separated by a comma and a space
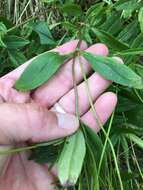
26, 116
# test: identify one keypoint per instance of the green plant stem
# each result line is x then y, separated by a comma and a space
75, 90
22, 149
101, 126
105, 144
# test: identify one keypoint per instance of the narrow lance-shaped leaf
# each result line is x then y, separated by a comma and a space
136, 140
71, 159
111, 69
132, 51
3, 29
71, 9
39, 71
14, 42
44, 33
96, 146
140, 18
109, 39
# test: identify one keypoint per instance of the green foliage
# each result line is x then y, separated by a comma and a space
112, 42
140, 18
46, 154
113, 70
71, 9
44, 33
71, 159
39, 71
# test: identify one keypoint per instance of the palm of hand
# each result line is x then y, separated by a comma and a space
24, 117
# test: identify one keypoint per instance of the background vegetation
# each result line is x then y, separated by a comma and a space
30, 27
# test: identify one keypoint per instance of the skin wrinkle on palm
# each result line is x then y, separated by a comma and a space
13, 106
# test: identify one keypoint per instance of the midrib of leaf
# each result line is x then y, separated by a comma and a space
44, 66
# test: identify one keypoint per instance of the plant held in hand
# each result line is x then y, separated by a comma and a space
42, 68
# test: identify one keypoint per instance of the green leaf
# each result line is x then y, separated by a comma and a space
135, 116
2, 44
136, 140
139, 69
113, 23
16, 57
90, 169
44, 33
110, 40
127, 7
39, 70
140, 18
71, 9
137, 43
126, 104
96, 146
71, 159
14, 42
110, 69
45, 154
94, 10
129, 32
3, 29
124, 4
69, 26
133, 51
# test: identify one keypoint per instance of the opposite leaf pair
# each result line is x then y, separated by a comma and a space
44, 66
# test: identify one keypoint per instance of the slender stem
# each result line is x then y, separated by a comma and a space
18, 25
74, 81
75, 89
89, 94
105, 144
101, 126
22, 149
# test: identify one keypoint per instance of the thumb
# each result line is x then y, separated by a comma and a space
24, 122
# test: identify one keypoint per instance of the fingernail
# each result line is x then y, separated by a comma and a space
67, 121
119, 59
58, 108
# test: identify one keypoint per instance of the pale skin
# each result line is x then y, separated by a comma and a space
28, 117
